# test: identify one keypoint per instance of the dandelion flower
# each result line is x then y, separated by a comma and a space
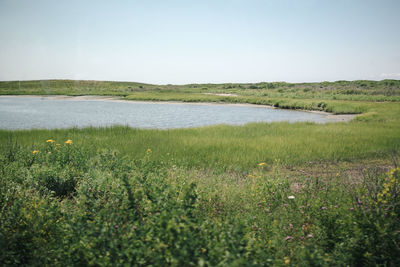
148, 151
50, 141
286, 260
261, 164
290, 197
35, 152
69, 141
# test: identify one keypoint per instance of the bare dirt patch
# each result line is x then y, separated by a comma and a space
221, 94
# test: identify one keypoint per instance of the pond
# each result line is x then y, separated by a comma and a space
50, 112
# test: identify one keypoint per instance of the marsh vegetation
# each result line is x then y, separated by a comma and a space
259, 194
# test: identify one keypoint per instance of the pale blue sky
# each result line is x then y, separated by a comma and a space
200, 41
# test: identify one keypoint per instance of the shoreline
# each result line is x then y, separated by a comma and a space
337, 118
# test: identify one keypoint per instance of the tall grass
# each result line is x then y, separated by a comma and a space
237, 147
374, 134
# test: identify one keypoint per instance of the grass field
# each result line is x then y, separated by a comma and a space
259, 194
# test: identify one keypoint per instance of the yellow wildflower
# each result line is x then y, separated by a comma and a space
286, 260
148, 151
262, 164
50, 141
388, 186
57, 144
69, 141
35, 152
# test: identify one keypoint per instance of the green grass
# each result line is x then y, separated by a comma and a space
386, 90
339, 97
198, 196
235, 147
333, 106
339, 88
374, 134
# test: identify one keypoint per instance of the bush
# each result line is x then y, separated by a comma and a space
66, 205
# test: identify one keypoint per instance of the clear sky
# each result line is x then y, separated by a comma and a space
200, 41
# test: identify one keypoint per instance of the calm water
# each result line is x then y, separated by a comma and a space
56, 112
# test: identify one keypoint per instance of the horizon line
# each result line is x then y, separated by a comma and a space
183, 84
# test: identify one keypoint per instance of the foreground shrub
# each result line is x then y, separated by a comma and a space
65, 205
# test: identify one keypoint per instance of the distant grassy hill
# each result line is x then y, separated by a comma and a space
339, 97
70, 87
385, 90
